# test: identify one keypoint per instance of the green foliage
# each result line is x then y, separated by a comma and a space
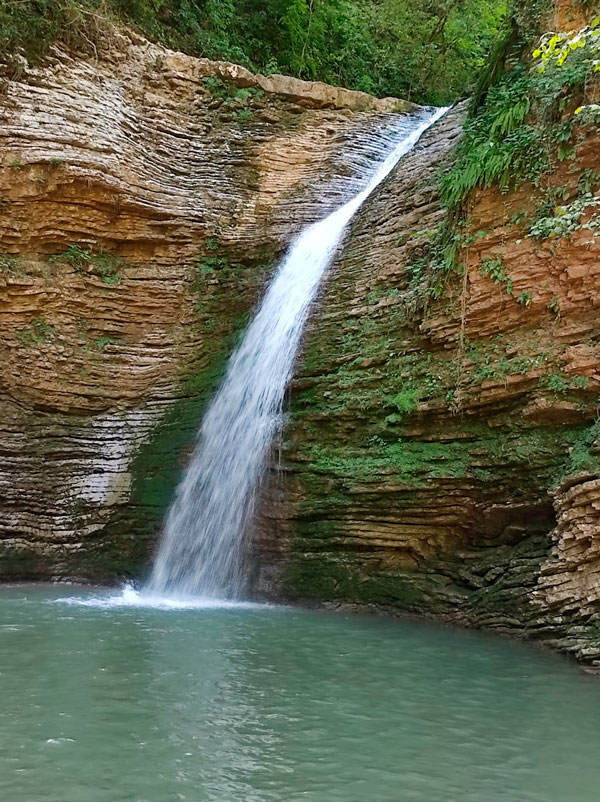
236, 101
499, 145
580, 382
243, 115
406, 401
39, 332
10, 264
425, 51
491, 360
555, 48
208, 264
559, 384
101, 342
74, 255
429, 274
589, 113
566, 219
217, 87
106, 266
217, 261
494, 269
554, 306
516, 129
554, 382
584, 455
589, 180
31, 26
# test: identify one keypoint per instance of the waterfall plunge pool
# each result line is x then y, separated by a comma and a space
107, 700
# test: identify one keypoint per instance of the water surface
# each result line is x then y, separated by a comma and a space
117, 702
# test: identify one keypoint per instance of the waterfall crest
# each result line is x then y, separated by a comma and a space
201, 551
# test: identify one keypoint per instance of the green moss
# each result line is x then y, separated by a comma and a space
584, 454
491, 580
387, 387
159, 463
323, 577
40, 332
218, 274
106, 266
474, 453
9, 263
21, 563
409, 462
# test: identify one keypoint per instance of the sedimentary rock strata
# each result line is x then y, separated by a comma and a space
436, 441
145, 197
441, 454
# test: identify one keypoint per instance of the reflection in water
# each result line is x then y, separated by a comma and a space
134, 704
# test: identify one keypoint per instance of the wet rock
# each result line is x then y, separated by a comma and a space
431, 459
145, 198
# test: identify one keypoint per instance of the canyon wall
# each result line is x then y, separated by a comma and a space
441, 451
145, 198
441, 456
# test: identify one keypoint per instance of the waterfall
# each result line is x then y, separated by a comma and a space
201, 552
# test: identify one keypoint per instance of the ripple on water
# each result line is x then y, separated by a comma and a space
108, 696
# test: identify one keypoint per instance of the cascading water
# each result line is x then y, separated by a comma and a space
201, 553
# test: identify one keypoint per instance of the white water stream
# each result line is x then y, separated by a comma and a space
201, 552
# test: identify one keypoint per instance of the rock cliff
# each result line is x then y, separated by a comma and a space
145, 196
441, 456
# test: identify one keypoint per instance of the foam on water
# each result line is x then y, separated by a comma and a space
129, 597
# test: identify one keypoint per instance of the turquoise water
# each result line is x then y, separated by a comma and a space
133, 704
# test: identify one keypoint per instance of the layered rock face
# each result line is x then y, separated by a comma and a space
441, 451
440, 456
145, 197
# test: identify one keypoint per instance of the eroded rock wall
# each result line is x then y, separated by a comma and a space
440, 452
144, 199
441, 446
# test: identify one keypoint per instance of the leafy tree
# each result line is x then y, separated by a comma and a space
426, 50
556, 48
